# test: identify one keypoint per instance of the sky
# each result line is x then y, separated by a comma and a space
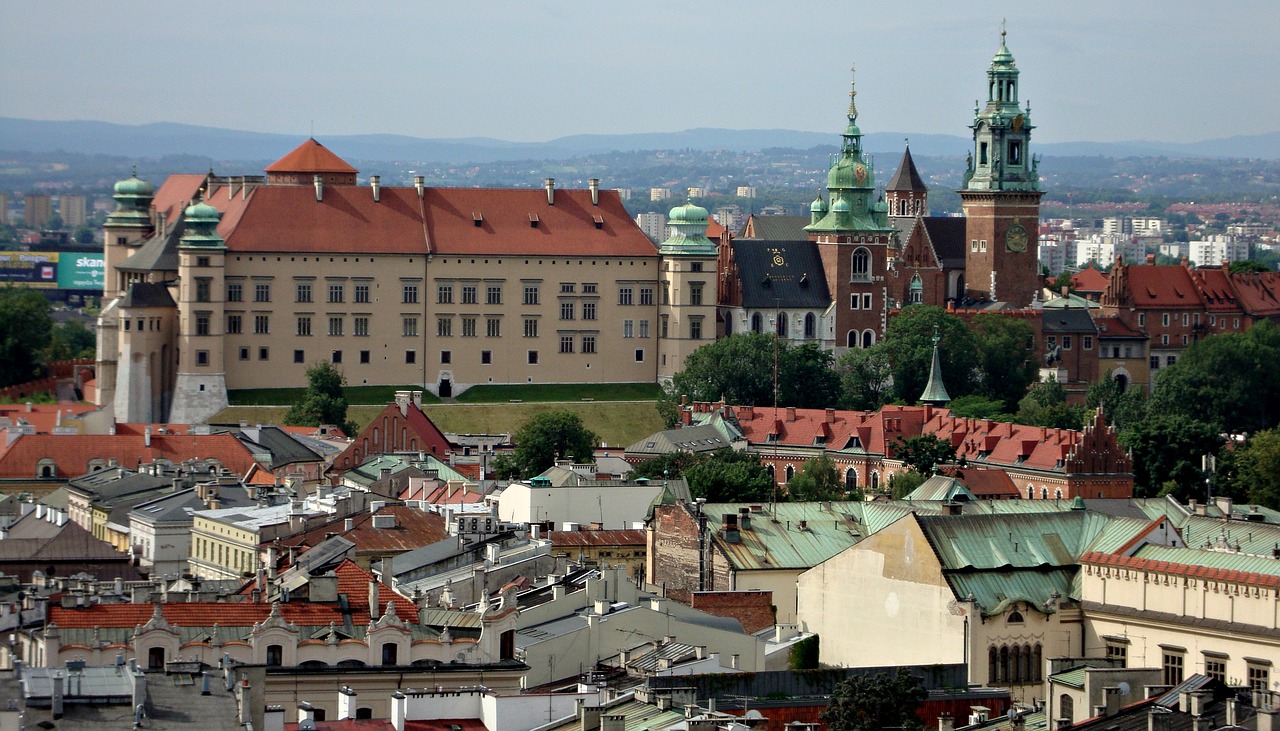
535, 70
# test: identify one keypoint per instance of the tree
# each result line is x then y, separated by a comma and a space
875, 702
923, 453
1120, 407
974, 406
323, 401
25, 325
807, 378
549, 436
1259, 468
1248, 266
1007, 364
668, 405
902, 484
818, 479
1225, 381
83, 234
1046, 405
739, 368
70, 339
669, 465
865, 377
1168, 449
728, 476
909, 345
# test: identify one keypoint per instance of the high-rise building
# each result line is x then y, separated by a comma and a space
654, 225
74, 210
38, 209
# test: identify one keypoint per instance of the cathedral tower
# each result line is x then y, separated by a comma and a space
201, 387
1001, 193
687, 280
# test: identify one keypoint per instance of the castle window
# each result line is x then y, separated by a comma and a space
868, 338
861, 263
695, 328
566, 287
244, 354
468, 327
361, 328
335, 327
625, 295
589, 288
444, 294
982, 153
486, 357
533, 357
275, 654
1216, 667
362, 293
235, 292
566, 310
588, 343
410, 356
410, 327
1172, 666
493, 295
530, 328
444, 327
696, 266
531, 294
337, 291
566, 343
851, 339
644, 329
493, 328
639, 355
1015, 152
299, 356
1259, 675
203, 285
665, 325
304, 326
264, 354
695, 294
756, 322
262, 292
588, 310
261, 324
304, 291
628, 328
364, 356
336, 357
469, 294
202, 323
646, 295
810, 325
781, 325
409, 294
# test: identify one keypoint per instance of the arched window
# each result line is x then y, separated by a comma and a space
350, 664
757, 322
789, 472
1036, 660
1015, 617
851, 479
1015, 665
1004, 664
1031, 492
810, 325
770, 468
993, 665
875, 481
155, 658
851, 340
782, 324
1044, 493
363, 713
728, 325
1066, 708
861, 263
1057, 494
868, 338
46, 468
915, 292
1026, 664
1122, 382
389, 650
275, 655
314, 664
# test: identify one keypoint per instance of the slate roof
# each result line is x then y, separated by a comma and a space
775, 228
147, 294
694, 438
158, 252
178, 506
281, 445
1068, 321
786, 274
947, 234
907, 178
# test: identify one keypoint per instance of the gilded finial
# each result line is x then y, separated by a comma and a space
1003, 30
853, 92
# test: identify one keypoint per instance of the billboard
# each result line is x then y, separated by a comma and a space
53, 270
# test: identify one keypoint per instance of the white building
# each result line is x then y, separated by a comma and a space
613, 504
1216, 249
746, 191
1102, 249
654, 225
1053, 256
659, 194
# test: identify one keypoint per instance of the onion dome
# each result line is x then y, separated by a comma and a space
201, 225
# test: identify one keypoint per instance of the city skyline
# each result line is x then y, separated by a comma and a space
536, 71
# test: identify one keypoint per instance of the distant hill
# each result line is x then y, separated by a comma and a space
165, 138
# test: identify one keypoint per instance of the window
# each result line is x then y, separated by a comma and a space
644, 328
628, 327
861, 263
1164, 319
588, 343
337, 291
444, 294
304, 326
1216, 668
486, 357
364, 356
361, 327
409, 327
780, 326
530, 327
362, 293
695, 329
1164, 339
973, 245
665, 323
1051, 340
566, 287
1259, 676
444, 327
304, 291
566, 343
262, 292
624, 295
469, 294
335, 327
275, 654
493, 294
1155, 362
468, 327
695, 294
493, 328
1142, 319
261, 324
1118, 651
203, 285
336, 357
410, 356
531, 294
202, 323
588, 310
1088, 342
810, 325
566, 310
866, 301
234, 325
646, 295
202, 357
409, 294
299, 356
1066, 342
244, 354
1172, 667
982, 244
202, 261
533, 357
264, 353
589, 288
235, 292
446, 357
639, 355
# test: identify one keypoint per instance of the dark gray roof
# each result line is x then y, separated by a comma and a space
784, 274
285, 449
148, 294
118, 484
907, 178
178, 506
1068, 321
947, 234
700, 438
159, 252
780, 228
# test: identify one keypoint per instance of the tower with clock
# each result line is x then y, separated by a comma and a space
1001, 193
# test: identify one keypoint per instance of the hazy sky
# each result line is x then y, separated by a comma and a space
533, 70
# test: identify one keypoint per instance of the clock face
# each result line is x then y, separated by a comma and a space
1015, 238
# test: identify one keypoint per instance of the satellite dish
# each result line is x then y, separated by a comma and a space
1124, 688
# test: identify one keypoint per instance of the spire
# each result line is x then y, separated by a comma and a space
908, 177
853, 94
935, 392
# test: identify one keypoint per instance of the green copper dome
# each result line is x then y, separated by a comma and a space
688, 237
135, 187
201, 222
818, 205
688, 213
133, 203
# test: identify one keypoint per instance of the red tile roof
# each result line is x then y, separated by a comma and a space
1258, 293
414, 528
1180, 569
310, 157
1163, 286
1215, 289
988, 483
73, 452
1089, 280
590, 538
1114, 327
175, 194
45, 416
411, 431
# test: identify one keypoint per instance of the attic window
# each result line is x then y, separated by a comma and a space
477, 219
599, 221
804, 279
533, 220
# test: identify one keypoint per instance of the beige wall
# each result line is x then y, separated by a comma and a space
781, 582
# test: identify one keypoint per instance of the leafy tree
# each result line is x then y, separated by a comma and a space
1046, 405
974, 406
70, 339
55, 223
1225, 380
1259, 468
804, 654
739, 368
728, 476
1248, 266
818, 479
83, 234
668, 405
807, 379
865, 377
25, 325
549, 436
1060, 281
924, 453
323, 401
909, 345
671, 464
1121, 408
876, 702
1006, 349
1168, 448
902, 484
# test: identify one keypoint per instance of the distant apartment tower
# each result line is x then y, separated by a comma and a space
1053, 256
623, 193
38, 209
74, 210
654, 225
4, 208
1145, 225
659, 194
746, 191
1218, 249
1248, 229
730, 217
697, 192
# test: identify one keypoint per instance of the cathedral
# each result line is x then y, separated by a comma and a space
832, 279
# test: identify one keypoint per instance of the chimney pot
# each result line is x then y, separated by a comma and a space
594, 185
375, 183
550, 184
319, 183
420, 184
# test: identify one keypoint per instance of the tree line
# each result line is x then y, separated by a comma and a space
30, 339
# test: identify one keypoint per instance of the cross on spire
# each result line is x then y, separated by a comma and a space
1003, 30
853, 92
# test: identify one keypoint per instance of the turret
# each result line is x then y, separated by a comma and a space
200, 390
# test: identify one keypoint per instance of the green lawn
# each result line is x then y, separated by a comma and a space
380, 395
560, 392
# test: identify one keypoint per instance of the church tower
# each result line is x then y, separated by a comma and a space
201, 387
1001, 193
906, 194
853, 235
687, 279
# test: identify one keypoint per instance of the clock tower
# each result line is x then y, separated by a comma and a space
1001, 193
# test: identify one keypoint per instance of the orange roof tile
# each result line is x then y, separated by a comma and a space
1163, 286
1181, 569
589, 538
45, 416
1258, 293
310, 157
1089, 280
1114, 327
73, 452
414, 528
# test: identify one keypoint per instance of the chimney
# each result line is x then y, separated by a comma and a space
57, 694
420, 184
306, 712
1151, 259
946, 722
1196, 701
273, 719
1266, 718
590, 717
744, 518
550, 185
729, 523
373, 599
349, 524
346, 703
1232, 711
618, 722
146, 436
831, 416
375, 183
791, 413
593, 184
1112, 694
1017, 720
1202, 723
318, 179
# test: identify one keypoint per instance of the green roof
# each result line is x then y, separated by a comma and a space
941, 487
1211, 559
996, 590
1073, 678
